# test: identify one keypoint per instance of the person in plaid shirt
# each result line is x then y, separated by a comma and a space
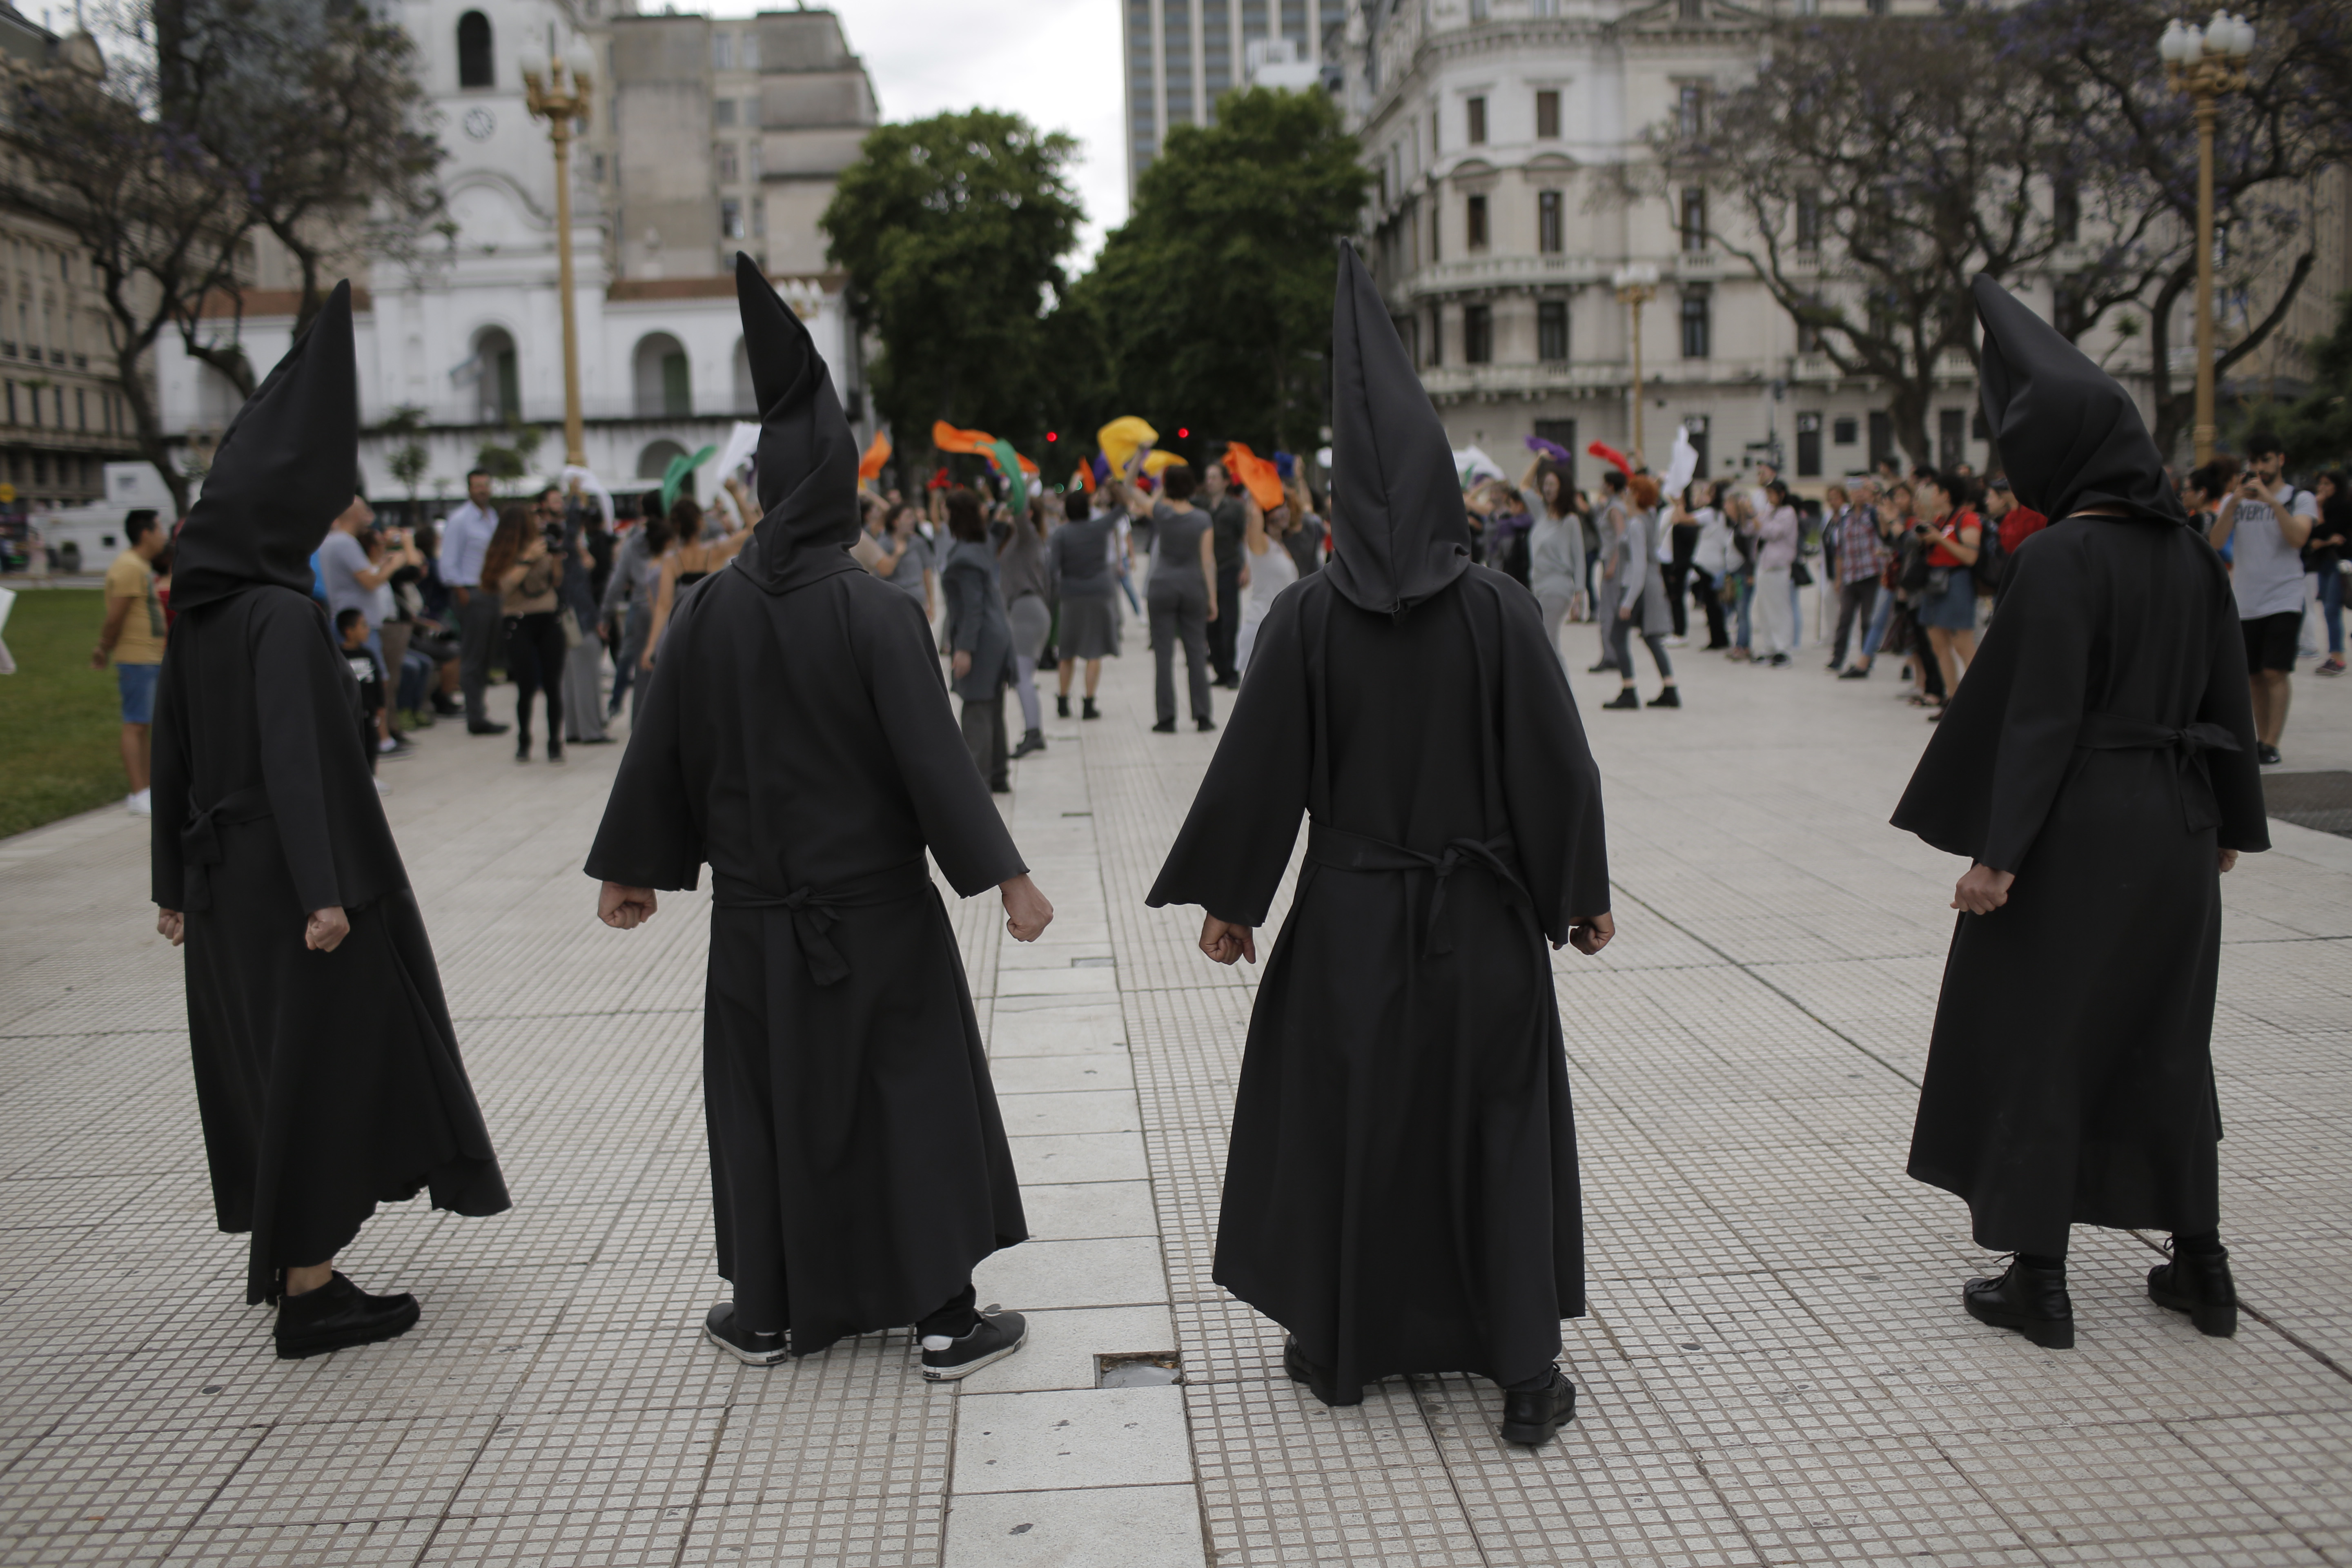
1853, 534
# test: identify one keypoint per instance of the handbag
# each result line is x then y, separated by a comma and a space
1800, 574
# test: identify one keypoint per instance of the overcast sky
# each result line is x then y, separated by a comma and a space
1055, 62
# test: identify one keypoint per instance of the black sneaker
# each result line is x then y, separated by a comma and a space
1088, 712
997, 1335
1165, 727
1859, 672
337, 1316
1205, 725
2266, 753
718, 1326
1626, 700
1533, 1417
1032, 743
447, 706
486, 728
1062, 706
1670, 697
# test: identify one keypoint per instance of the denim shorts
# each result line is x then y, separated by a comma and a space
138, 684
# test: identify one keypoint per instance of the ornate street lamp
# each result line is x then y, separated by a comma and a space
2205, 64
558, 94
1637, 285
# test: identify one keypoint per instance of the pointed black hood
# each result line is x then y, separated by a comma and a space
284, 470
808, 459
1398, 530
2068, 435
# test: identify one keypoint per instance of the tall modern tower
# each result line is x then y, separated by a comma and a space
1181, 55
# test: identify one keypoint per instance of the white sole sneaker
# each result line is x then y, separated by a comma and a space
990, 1358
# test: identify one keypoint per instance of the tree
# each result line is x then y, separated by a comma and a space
2317, 426
1212, 305
317, 114
408, 462
159, 221
2124, 121
1873, 169
952, 230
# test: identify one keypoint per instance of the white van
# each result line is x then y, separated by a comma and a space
89, 538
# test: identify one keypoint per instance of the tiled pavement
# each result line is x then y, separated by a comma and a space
1775, 1369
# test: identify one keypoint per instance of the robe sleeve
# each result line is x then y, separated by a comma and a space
168, 784
1987, 781
1236, 840
650, 836
303, 705
959, 823
1551, 787
2228, 701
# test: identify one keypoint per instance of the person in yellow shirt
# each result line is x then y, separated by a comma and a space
133, 639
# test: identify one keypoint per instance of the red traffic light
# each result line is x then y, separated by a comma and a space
1181, 433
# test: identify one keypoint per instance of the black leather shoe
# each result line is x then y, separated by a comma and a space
2200, 1285
1032, 741
1671, 697
997, 1335
447, 706
1165, 727
1205, 725
2032, 1301
1626, 700
1317, 1379
1062, 706
485, 729
1090, 711
719, 1327
1532, 1417
337, 1316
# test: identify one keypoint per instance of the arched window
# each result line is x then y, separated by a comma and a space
664, 388
498, 381
653, 463
474, 66
747, 399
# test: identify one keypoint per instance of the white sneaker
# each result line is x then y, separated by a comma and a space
141, 803
1678, 642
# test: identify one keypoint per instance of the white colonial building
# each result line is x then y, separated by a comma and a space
668, 181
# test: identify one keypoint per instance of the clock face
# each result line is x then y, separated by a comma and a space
480, 122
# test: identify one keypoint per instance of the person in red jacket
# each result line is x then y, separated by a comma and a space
2018, 522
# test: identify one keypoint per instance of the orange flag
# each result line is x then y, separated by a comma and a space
869, 467
1260, 478
978, 443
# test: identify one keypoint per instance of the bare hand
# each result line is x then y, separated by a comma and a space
1625, 612
624, 907
1027, 912
327, 929
1212, 609
2229, 859
1982, 891
173, 926
97, 658
1589, 933
962, 662
1225, 942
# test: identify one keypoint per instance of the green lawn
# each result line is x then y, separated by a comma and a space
60, 720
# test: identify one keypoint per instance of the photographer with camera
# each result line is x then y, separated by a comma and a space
2271, 521
354, 583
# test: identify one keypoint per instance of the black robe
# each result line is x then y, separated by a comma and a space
2070, 1077
1401, 1190
797, 737
329, 1082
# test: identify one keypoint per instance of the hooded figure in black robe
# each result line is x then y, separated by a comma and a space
2097, 770
327, 1070
797, 737
1401, 1190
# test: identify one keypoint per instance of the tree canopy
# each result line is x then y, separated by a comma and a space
1211, 306
954, 229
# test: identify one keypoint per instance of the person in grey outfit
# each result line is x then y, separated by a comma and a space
1022, 574
981, 635
481, 619
636, 579
1078, 562
1183, 599
1555, 550
1637, 596
583, 661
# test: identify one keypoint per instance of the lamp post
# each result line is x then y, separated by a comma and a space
1637, 285
558, 94
2206, 63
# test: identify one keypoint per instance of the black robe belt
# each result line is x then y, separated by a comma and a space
2192, 775
813, 910
200, 848
1345, 851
